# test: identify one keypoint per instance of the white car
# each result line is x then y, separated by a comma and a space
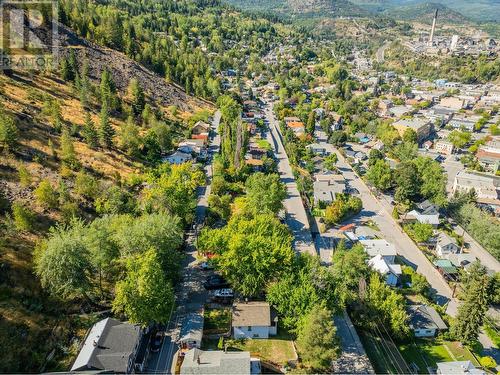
224, 293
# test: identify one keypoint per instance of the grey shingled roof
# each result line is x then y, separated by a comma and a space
108, 346
425, 317
251, 314
197, 361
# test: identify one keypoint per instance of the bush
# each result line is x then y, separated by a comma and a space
86, 185
23, 217
342, 208
25, 178
46, 194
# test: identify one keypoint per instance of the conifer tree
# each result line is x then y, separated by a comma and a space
106, 131
89, 132
473, 309
68, 155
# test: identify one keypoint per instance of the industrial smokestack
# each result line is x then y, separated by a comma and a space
431, 38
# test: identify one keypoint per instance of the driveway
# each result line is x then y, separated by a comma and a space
296, 215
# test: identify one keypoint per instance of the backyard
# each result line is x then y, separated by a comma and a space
277, 349
427, 353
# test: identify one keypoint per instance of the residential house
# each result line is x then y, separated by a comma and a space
446, 245
177, 158
113, 346
336, 121
463, 123
422, 127
297, 127
317, 149
193, 146
390, 271
191, 331
461, 260
458, 368
425, 213
452, 103
444, 147
254, 320
201, 127
380, 247
425, 321
446, 269
200, 362
399, 111
326, 186
384, 106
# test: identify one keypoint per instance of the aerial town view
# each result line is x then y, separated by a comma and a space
250, 187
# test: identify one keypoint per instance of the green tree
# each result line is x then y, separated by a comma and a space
115, 200
265, 193
380, 174
410, 136
349, 267
106, 131
129, 137
407, 182
62, 263
138, 97
459, 138
46, 195
89, 132
472, 311
23, 217
68, 154
145, 295
86, 186
374, 156
8, 130
330, 161
388, 306
25, 178
421, 232
317, 340
252, 252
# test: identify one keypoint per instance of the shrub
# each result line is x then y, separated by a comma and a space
23, 217
46, 194
25, 178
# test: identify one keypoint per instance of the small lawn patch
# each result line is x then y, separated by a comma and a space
217, 320
277, 349
427, 353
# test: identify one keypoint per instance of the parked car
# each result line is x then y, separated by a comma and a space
215, 282
156, 341
206, 266
224, 293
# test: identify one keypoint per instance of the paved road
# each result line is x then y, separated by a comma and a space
373, 209
296, 217
191, 295
380, 55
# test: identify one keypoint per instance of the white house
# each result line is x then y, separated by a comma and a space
446, 245
425, 321
425, 213
177, 158
392, 272
192, 330
254, 320
458, 368
380, 247
317, 149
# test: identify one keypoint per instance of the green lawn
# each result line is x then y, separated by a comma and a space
492, 333
277, 349
217, 320
427, 353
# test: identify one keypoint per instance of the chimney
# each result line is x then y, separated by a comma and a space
431, 38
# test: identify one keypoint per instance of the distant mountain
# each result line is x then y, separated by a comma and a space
424, 12
303, 8
477, 10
